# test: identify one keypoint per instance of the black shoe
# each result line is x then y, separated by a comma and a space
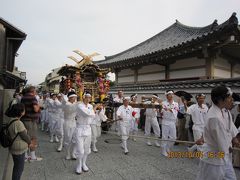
78, 173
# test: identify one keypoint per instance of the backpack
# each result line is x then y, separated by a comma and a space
5, 138
9, 109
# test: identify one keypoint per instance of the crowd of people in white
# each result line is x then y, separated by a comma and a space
77, 125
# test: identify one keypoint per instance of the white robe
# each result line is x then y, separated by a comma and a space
218, 133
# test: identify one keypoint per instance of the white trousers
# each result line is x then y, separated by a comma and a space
59, 127
52, 123
44, 116
197, 134
134, 125
125, 129
152, 122
68, 130
96, 132
216, 172
168, 132
83, 144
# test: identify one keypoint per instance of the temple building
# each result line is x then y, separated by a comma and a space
180, 57
11, 79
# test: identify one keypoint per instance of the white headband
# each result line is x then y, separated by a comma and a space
73, 95
155, 96
127, 98
169, 92
134, 96
87, 95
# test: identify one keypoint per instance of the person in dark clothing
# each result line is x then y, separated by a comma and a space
30, 119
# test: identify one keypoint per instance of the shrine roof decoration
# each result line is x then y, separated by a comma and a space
176, 40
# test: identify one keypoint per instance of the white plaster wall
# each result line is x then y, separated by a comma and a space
125, 79
151, 68
222, 73
125, 72
236, 74
236, 70
220, 62
151, 77
189, 62
187, 73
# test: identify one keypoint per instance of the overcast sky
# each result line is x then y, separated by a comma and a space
56, 27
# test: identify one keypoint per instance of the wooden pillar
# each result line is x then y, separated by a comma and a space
116, 71
135, 74
167, 71
209, 63
232, 69
209, 67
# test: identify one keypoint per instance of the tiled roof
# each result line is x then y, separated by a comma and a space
175, 36
187, 84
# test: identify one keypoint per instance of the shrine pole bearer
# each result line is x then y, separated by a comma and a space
219, 134
198, 112
82, 133
96, 125
125, 113
69, 125
52, 118
136, 118
44, 111
152, 122
169, 118
58, 103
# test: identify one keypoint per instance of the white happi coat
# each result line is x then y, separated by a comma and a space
96, 124
82, 133
69, 125
125, 124
199, 117
44, 110
151, 121
218, 133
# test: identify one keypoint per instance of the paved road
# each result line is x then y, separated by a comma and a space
143, 162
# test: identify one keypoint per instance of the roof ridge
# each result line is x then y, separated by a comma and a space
181, 25
233, 20
107, 57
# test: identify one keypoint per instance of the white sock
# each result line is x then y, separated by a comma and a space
26, 155
33, 155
